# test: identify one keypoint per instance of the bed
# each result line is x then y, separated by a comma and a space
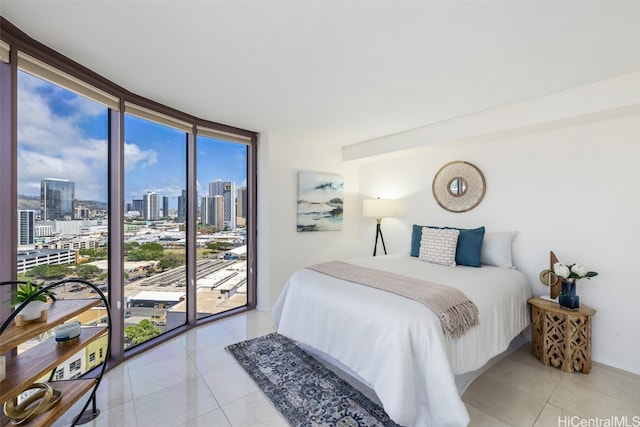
396, 346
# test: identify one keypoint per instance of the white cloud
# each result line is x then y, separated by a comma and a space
38, 127
137, 157
52, 142
85, 107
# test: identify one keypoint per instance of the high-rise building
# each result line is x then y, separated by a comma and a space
227, 190
241, 209
26, 227
165, 207
137, 206
218, 212
212, 212
206, 210
57, 198
150, 208
182, 206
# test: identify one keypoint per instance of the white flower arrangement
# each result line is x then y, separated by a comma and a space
572, 272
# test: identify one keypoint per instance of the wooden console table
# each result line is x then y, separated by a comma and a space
561, 337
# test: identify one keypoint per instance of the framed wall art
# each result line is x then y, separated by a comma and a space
320, 200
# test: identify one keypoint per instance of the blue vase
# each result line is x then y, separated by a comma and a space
568, 298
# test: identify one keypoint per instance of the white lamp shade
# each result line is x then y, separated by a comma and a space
379, 208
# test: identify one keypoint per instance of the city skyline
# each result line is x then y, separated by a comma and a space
62, 135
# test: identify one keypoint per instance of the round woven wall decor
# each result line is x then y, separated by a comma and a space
458, 186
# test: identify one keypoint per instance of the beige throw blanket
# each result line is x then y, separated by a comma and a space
456, 312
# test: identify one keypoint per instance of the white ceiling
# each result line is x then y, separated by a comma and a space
337, 71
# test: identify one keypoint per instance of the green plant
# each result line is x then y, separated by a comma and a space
24, 291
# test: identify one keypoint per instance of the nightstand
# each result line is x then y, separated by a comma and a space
561, 337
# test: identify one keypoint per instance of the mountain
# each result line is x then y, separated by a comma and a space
28, 202
33, 203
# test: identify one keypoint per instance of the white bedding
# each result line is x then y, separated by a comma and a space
396, 345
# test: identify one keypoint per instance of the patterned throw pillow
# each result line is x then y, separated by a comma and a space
438, 245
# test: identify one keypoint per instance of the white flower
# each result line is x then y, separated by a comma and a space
579, 270
561, 270
572, 272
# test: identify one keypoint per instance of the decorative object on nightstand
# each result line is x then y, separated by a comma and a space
568, 275
548, 277
560, 337
379, 209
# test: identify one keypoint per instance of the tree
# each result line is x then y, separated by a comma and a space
131, 246
49, 272
87, 271
146, 252
169, 261
141, 332
219, 246
152, 247
94, 254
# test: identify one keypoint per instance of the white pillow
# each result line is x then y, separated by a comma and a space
438, 245
496, 249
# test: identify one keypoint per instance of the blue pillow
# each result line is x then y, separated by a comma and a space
469, 247
467, 251
416, 235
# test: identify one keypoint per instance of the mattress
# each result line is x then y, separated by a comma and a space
395, 345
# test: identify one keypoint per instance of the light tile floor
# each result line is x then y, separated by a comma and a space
192, 381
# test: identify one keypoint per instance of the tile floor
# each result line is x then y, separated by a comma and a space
192, 381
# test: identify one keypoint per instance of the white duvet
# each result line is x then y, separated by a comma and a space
396, 345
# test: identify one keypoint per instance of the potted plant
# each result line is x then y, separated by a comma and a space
37, 308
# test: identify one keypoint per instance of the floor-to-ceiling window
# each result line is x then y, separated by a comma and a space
100, 184
62, 199
154, 236
62, 181
222, 225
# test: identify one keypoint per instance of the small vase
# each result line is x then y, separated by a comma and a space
568, 298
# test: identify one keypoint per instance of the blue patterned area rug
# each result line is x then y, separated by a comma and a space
303, 389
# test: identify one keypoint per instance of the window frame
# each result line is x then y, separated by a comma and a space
15, 47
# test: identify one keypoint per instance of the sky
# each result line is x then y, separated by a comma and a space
63, 135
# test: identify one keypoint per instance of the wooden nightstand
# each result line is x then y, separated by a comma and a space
561, 337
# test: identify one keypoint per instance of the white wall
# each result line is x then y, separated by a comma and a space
573, 190
281, 248
566, 181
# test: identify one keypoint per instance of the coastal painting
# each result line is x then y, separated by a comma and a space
320, 197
